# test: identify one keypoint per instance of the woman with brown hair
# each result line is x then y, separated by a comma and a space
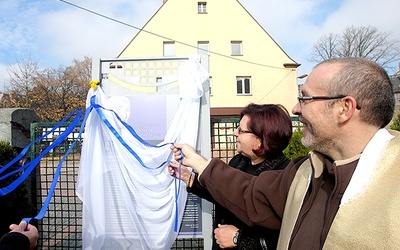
263, 133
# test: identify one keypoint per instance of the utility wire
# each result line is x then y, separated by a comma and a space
166, 38
276, 85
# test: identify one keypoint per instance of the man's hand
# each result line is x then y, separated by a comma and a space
190, 157
224, 235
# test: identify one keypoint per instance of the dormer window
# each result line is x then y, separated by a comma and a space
202, 7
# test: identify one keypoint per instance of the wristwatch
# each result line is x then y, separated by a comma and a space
235, 238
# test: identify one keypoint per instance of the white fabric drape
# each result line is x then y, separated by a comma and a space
126, 205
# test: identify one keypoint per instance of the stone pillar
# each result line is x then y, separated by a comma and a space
15, 126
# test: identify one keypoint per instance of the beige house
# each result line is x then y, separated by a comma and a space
245, 63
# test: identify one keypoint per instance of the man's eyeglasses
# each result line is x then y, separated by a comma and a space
241, 131
304, 99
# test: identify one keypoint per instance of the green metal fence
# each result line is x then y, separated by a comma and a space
223, 142
61, 228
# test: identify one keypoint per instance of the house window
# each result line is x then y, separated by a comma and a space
202, 7
202, 51
243, 85
202, 48
169, 48
236, 47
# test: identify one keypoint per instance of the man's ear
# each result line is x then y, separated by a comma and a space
348, 109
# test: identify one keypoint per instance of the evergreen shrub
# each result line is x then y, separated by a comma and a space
396, 123
295, 147
15, 205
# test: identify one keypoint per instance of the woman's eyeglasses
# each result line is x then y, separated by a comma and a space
241, 131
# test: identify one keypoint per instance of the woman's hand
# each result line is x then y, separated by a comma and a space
182, 173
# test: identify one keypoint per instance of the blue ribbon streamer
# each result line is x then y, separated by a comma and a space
98, 109
24, 151
46, 203
27, 168
177, 192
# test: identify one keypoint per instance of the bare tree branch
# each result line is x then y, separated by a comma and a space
363, 41
51, 93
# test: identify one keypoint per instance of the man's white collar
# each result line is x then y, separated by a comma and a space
366, 165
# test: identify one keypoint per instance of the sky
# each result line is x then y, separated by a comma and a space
53, 32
